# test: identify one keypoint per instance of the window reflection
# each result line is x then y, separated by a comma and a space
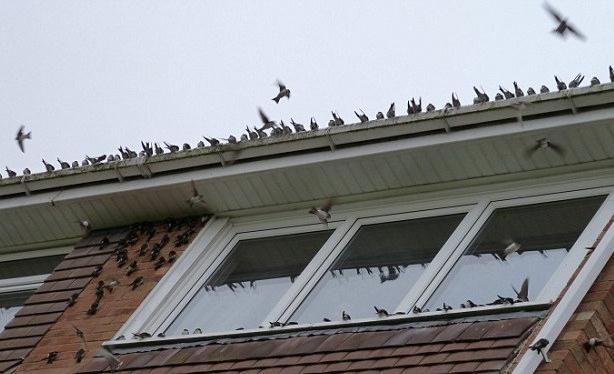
377, 268
516, 245
250, 281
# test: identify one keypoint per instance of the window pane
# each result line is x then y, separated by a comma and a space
29, 266
377, 268
249, 283
537, 238
10, 303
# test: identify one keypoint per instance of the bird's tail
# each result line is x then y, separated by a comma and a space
28, 135
276, 99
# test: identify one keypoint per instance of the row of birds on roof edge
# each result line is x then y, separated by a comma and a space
563, 28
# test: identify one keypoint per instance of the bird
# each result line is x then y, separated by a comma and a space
231, 139
171, 147
10, 172
159, 263
417, 108
172, 255
114, 362
455, 101
159, 150
323, 212
93, 308
185, 332
96, 160
212, 141
196, 200
446, 307
252, 134
379, 115
79, 355
523, 294
338, 120
611, 74
362, 117
110, 284
545, 143
186, 147
75, 164
283, 92
78, 332
21, 136
381, 312
499, 97
48, 166
563, 24
73, 299
595, 81
261, 134
345, 316
136, 283
390, 112
243, 138
197, 331
313, 125
469, 304
86, 226
508, 94
85, 162
285, 128
576, 81
430, 107
266, 122
63, 164
26, 171
51, 356
518, 90
544, 89
539, 346
481, 97
132, 268
147, 148
560, 84
97, 271
530, 91
297, 126
141, 335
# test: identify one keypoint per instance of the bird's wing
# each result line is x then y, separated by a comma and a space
577, 33
524, 290
553, 12
20, 131
20, 143
263, 117
281, 86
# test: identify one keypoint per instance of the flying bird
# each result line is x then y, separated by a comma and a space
563, 24
266, 122
21, 136
545, 143
523, 294
323, 212
283, 92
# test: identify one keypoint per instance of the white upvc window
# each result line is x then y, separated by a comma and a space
401, 256
21, 274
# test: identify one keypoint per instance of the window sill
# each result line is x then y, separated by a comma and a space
131, 344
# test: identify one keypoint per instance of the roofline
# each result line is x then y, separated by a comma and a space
214, 159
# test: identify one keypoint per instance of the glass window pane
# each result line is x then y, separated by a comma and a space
29, 266
515, 243
10, 303
377, 268
250, 281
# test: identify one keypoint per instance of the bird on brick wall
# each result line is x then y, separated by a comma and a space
73, 299
539, 346
79, 355
132, 268
78, 332
51, 356
563, 26
136, 282
159, 263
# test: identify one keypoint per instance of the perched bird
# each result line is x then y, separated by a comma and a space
79, 355
576, 81
345, 316
417, 108
338, 120
48, 166
85, 162
159, 263
283, 92
172, 147
110, 284
518, 90
545, 143
430, 107
132, 268
86, 226
390, 112
322, 212
455, 101
544, 89
172, 256
523, 294
147, 148
266, 122
63, 165
468, 304
26, 171
185, 332
96, 160
75, 164
141, 335
297, 126
563, 24
540, 346
560, 84
197, 331
21, 136
285, 128
595, 81
508, 94
231, 139
481, 97
313, 125
73, 299
51, 356
530, 91
499, 96
136, 283
243, 138
93, 308
381, 312
362, 117
379, 115
252, 134
445, 307
186, 147
611, 74
10, 172
159, 150
212, 141
78, 332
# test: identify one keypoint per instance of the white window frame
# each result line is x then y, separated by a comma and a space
216, 240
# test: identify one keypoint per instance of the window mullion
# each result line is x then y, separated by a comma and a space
450, 248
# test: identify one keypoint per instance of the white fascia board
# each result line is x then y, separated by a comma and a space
263, 166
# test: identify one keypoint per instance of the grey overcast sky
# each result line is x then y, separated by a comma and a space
88, 76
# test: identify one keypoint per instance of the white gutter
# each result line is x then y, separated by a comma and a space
570, 301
